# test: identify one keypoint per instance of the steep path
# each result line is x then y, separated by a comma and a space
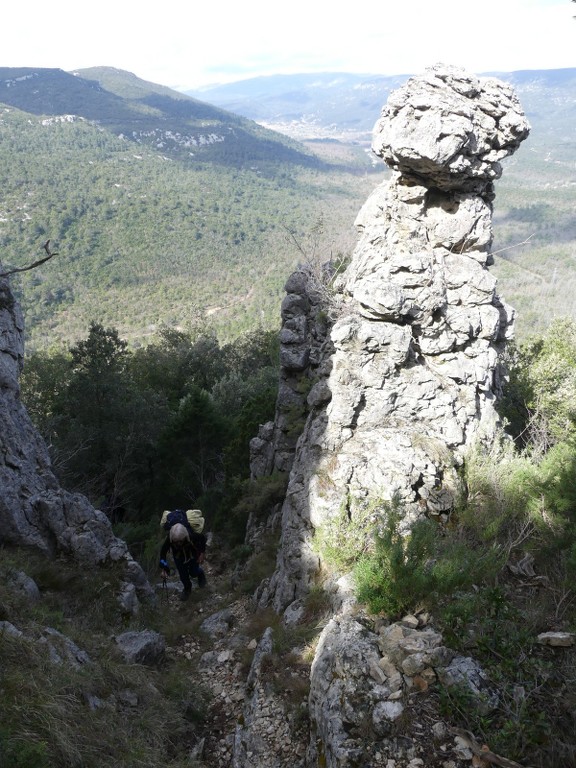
256, 693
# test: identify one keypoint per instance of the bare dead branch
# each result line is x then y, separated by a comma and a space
35, 264
482, 751
515, 245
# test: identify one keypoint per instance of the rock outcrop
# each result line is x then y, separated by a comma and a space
405, 380
35, 511
393, 392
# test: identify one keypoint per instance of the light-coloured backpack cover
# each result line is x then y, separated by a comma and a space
195, 518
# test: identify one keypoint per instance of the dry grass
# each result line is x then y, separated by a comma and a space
101, 714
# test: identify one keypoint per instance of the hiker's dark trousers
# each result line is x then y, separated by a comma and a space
187, 570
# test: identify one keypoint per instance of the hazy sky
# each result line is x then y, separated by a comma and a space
186, 45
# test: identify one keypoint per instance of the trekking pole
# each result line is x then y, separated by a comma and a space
165, 585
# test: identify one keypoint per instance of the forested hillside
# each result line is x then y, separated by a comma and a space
164, 209
151, 233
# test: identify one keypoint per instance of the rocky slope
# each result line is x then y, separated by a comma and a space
386, 383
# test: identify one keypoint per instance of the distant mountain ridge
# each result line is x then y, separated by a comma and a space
146, 113
342, 105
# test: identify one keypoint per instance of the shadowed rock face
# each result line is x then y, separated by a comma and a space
34, 510
408, 375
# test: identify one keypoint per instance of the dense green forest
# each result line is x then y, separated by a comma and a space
535, 234
144, 240
161, 208
152, 230
165, 425
164, 209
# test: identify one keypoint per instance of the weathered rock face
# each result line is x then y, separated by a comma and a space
303, 339
34, 510
409, 375
450, 129
394, 393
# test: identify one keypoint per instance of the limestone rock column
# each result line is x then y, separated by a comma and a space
413, 371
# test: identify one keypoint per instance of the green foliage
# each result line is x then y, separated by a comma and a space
18, 752
257, 409
151, 228
533, 716
144, 540
96, 420
512, 500
259, 566
523, 504
408, 570
66, 715
497, 485
342, 539
195, 434
526, 498
139, 431
43, 385
250, 497
519, 507
540, 399
151, 237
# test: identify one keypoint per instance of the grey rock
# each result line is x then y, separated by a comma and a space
128, 599
146, 647
128, 698
26, 586
406, 372
251, 745
62, 650
35, 512
263, 649
9, 629
557, 639
451, 128
294, 612
219, 624
466, 672
294, 358
342, 689
407, 375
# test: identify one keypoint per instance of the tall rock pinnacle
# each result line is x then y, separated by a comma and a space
408, 376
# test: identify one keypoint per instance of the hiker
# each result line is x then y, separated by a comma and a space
188, 548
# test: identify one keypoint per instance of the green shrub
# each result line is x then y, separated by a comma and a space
344, 537
259, 566
406, 571
22, 753
539, 401
518, 504
251, 497
527, 501
62, 716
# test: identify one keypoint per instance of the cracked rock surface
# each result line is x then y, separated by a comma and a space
405, 379
34, 510
389, 376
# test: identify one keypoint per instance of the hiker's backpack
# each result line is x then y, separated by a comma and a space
191, 519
